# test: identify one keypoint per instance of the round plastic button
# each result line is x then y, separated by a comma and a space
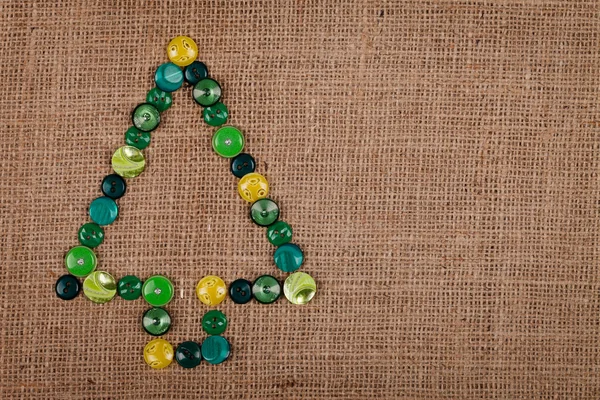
240, 291
195, 72
80, 261
288, 257
160, 99
188, 354
100, 287
156, 321
299, 288
103, 210
145, 117
214, 322
279, 233
136, 138
113, 186
130, 287
168, 77
264, 212
215, 349
215, 115
67, 287
158, 353
266, 289
128, 162
91, 235
252, 187
211, 290
242, 164
182, 50
158, 290
206, 92
228, 141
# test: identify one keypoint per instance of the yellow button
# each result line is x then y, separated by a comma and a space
253, 186
182, 51
158, 353
211, 290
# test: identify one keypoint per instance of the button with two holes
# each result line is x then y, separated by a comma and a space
214, 322
240, 291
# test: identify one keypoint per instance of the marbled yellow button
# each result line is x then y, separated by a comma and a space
128, 162
182, 51
252, 187
211, 290
158, 353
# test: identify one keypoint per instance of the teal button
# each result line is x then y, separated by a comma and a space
168, 77
215, 349
103, 210
288, 257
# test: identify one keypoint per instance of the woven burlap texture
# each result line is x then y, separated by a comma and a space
438, 161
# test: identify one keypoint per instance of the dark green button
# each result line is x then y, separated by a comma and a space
240, 291
279, 233
91, 235
214, 322
160, 99
215, 349
67, 287
195, 72
266, 289
113, 186
288, 257
242, 164
130, 287
206, 92
215, 115
145, 117
156, 321
264, 212
136, 138
188, 354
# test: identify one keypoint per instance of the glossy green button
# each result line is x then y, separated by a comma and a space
80, 261
266, 289
130, 287
264, 212
103, 210
99, 287
215, 349
288, 257
188, 354
128, 161
91, 235
158, 290
136, 138
299, 288
206, 92
279, 233
160, 99
228, 141
215, 115
156, 321
145, 117
214, 322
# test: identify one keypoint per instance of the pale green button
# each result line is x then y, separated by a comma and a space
299, 288
128, 162
100, 287
80, 261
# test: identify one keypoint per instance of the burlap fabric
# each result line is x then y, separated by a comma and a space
438, 161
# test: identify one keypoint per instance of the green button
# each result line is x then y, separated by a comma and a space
136, 138
99, 287
279, 233
266, 289
214, 322
288, 257
206, 92
128, 161
145, 117
299, 288
130, 287
188, 354
91, 235
228, 141
264, 212
215, 115
160, 99
80, 261
157, 290
156, 321
215, 349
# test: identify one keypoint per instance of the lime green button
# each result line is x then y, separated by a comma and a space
100, 287
157, 290
80, 261
299, 288
228, 141
128, 161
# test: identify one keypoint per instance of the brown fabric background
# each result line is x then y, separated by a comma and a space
438, 161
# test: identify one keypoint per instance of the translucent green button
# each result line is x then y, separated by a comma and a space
160, 99
279, 233
228, 141
266, 289
80, 261
264, 212
145, 117
214, 322
128, 162
206, 92
100, 287
103, 210
91, 235
136, 138
157, 290
156, 321
130, 287
215, 115
288, 257
299, 288
215, 349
